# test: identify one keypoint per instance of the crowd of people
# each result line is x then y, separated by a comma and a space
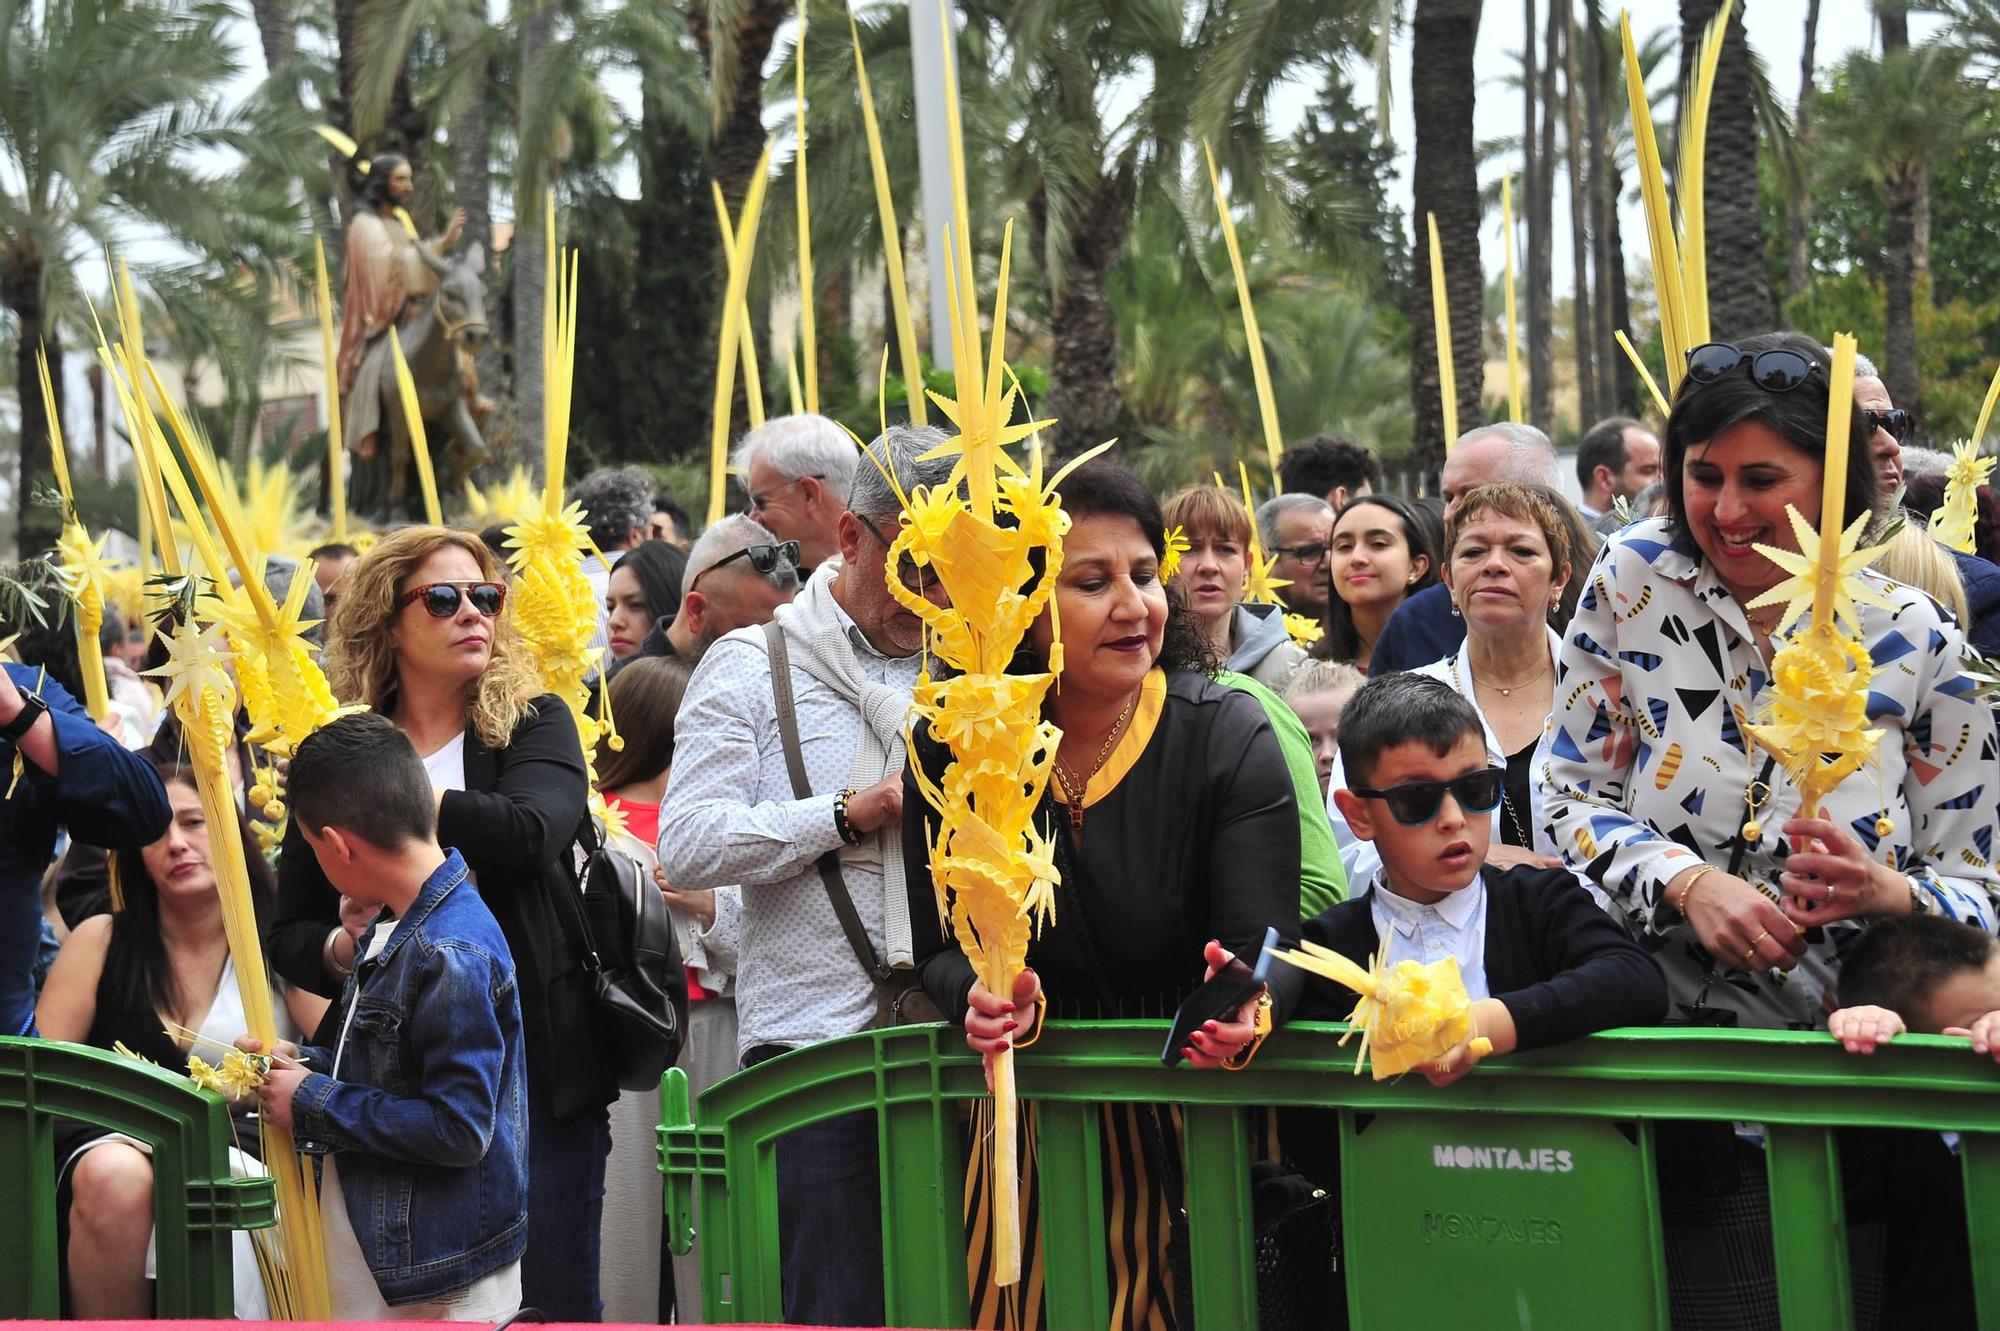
1448, 734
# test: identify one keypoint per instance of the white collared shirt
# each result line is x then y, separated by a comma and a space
1454, 927
729, 817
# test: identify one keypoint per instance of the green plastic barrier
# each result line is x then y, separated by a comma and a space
1523, 1195
195, 1202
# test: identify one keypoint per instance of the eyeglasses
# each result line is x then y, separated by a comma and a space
442, 599
765, 557
1309, 554
908, 572
761, 502
1897, 422
1419, 801
1774, 371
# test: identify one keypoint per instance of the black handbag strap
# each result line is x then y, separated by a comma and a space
795, 767
569, 901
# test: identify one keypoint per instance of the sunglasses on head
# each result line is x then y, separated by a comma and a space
1897, 422
1774, 371
763, 556
1418, 801
441, 599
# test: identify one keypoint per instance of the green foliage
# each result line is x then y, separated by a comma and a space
1343, 169
1954, 336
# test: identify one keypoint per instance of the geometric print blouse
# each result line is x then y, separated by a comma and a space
1650, 771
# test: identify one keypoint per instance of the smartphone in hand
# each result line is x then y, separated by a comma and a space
1218, 998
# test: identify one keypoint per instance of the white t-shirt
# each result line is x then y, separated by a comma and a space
354, 1293
446, 767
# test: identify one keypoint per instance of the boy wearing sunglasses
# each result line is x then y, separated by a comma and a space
1542, 962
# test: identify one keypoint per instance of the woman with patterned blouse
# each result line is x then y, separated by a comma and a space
1653, 789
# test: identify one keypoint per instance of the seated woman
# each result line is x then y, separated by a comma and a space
1249, 639
1654, 790
1511, 554
160, 962
1382, 554
1176, 831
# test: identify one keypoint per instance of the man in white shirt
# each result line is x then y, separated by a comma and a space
730, 816
797, 471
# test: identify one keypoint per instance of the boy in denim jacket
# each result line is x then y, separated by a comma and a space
421, 1106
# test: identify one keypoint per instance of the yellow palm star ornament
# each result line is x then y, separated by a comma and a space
511, 500
1408, 1014
1177, 544
1953, 521
1815, 719
1305, 630
1259, 587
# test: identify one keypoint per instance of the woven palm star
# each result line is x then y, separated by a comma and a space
195, 658
1177, 545
1259, 587
1799, 590
1952, 523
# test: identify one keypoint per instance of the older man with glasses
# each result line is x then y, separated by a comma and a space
797, 470
1298, 529
803, 823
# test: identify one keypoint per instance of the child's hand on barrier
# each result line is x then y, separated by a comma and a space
1862, 1030
1490, 1032
1984, 1034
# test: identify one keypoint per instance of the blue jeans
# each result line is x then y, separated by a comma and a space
565, 1210
830, 1223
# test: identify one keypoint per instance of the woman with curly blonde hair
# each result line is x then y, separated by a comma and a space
422, 635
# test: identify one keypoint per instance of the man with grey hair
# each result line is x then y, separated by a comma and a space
617, 504
733, 815
737, 575
797, 470
1425, 627
1298, 529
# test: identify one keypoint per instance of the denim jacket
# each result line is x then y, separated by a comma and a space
430, 1111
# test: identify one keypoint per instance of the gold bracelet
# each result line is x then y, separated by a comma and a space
1260, 1029
1687, 888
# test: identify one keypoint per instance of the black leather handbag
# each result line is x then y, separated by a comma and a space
624, 940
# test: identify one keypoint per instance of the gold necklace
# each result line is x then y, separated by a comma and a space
1508, 692
1074, 786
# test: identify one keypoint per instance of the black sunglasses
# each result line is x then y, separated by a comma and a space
441, 599
1774, 371
763, 556
1897, 422
1419, 801
908, 571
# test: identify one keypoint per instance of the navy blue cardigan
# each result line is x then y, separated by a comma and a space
1563, 967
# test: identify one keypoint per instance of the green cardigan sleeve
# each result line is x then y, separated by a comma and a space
1322, 882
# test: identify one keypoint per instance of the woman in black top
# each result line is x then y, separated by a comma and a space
1175, 829
421, 635
161, 960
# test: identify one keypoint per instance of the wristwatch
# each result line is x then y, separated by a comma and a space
32, 710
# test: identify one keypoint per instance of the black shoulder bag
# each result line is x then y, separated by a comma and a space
618, 924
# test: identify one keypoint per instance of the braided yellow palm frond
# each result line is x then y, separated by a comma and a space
1953, 521
1408, 1014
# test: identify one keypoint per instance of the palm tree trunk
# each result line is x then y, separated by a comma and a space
472, 187
1444, 182
530, 257
1579, 230
1542, 239
1739, 290
1536, 167
1083, 387
100, 435
1899, 270
1616, 381
22, 291
276, 31
1798, 205
1894, 16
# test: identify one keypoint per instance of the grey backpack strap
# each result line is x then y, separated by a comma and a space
795, 766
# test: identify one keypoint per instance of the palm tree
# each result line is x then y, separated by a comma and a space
1903, 112
1112, 96
103, 105
1445, 182
1741, 305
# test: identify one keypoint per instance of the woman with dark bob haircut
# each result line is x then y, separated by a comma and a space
1175, 827
1652, 787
